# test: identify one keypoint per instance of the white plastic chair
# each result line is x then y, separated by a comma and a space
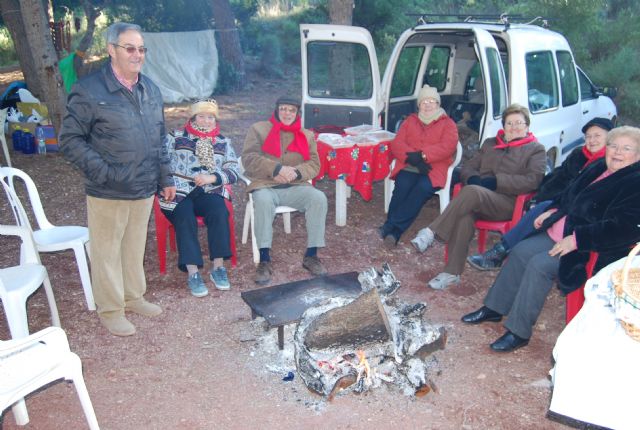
17, 283
35, 361
249, 217
50, 238
444, 193
3, 139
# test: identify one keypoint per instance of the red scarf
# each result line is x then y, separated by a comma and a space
202, 134
299, 144
518, 142
592, 156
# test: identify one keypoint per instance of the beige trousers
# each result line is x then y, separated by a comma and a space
117, 235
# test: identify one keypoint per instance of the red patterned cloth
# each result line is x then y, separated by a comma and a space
358, 166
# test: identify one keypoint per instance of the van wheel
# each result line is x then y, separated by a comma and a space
551, 161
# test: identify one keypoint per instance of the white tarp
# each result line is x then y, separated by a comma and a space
184, 65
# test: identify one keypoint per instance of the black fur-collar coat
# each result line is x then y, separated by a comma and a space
604, 216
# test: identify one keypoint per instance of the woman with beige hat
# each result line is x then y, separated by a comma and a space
424, 149
203, 162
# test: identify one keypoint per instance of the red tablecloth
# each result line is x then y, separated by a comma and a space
359, 166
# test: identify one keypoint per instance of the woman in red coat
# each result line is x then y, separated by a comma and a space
424, 149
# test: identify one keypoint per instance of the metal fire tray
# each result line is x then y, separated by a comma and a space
284, 304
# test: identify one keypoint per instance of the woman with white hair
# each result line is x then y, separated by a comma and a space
424, 149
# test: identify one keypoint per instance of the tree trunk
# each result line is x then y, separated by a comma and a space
341, 12
12, 17
45, 58
228, 38
342, 71
92, 13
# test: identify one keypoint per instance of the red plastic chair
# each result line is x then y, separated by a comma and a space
483, 226
575, 299
164, 226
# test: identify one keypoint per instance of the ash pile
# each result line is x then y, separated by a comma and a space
347, 344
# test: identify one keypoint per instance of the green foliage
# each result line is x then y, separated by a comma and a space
271, 57
8, 54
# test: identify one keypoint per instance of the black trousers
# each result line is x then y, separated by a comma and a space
213, 209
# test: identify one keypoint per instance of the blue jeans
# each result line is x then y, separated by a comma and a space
525, 227
411, 192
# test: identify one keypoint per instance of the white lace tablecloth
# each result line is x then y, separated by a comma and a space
596, 376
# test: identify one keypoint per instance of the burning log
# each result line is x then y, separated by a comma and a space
355, 344
361, 321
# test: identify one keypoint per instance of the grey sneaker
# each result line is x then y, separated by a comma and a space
443, 280
220, 279
197, 286
423, 240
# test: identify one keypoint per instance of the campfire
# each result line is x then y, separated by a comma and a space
355, 344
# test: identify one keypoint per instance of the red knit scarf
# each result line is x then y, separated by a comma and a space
299, 144
592, 156
202, 134
518, 142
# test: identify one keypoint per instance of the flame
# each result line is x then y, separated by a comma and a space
364, 370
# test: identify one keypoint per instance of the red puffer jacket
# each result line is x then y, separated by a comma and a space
437, 141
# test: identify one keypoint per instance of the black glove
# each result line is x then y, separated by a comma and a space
474, 180
414, 158
423, 167
489, 182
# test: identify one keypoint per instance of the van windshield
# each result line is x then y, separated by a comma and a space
339, 70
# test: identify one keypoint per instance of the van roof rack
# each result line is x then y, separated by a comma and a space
504, 19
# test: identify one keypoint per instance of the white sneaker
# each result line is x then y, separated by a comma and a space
443, 280
423, 239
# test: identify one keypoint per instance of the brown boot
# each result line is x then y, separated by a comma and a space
314, 265
263, 273
143, 307
118, 325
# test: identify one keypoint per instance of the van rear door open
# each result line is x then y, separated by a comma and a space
340, 76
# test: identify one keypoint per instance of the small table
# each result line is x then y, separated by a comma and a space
357, 166
284, 304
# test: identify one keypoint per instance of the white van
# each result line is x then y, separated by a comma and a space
478, 69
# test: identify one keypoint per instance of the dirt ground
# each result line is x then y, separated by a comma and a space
203, 364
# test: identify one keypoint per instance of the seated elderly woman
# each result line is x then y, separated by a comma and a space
512, 163
203, 163
423, 148
595, 136
599, 212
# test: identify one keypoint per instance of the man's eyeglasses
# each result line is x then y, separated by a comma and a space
429, 101
287, 109
132, 49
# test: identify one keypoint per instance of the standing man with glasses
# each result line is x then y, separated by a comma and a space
280, 157
113, 131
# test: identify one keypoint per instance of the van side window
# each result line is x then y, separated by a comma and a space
339, 70
437, 66
542, 83
406, 72
568, 80
586, 87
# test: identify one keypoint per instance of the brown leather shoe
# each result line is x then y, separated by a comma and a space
314, 265
263, 273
